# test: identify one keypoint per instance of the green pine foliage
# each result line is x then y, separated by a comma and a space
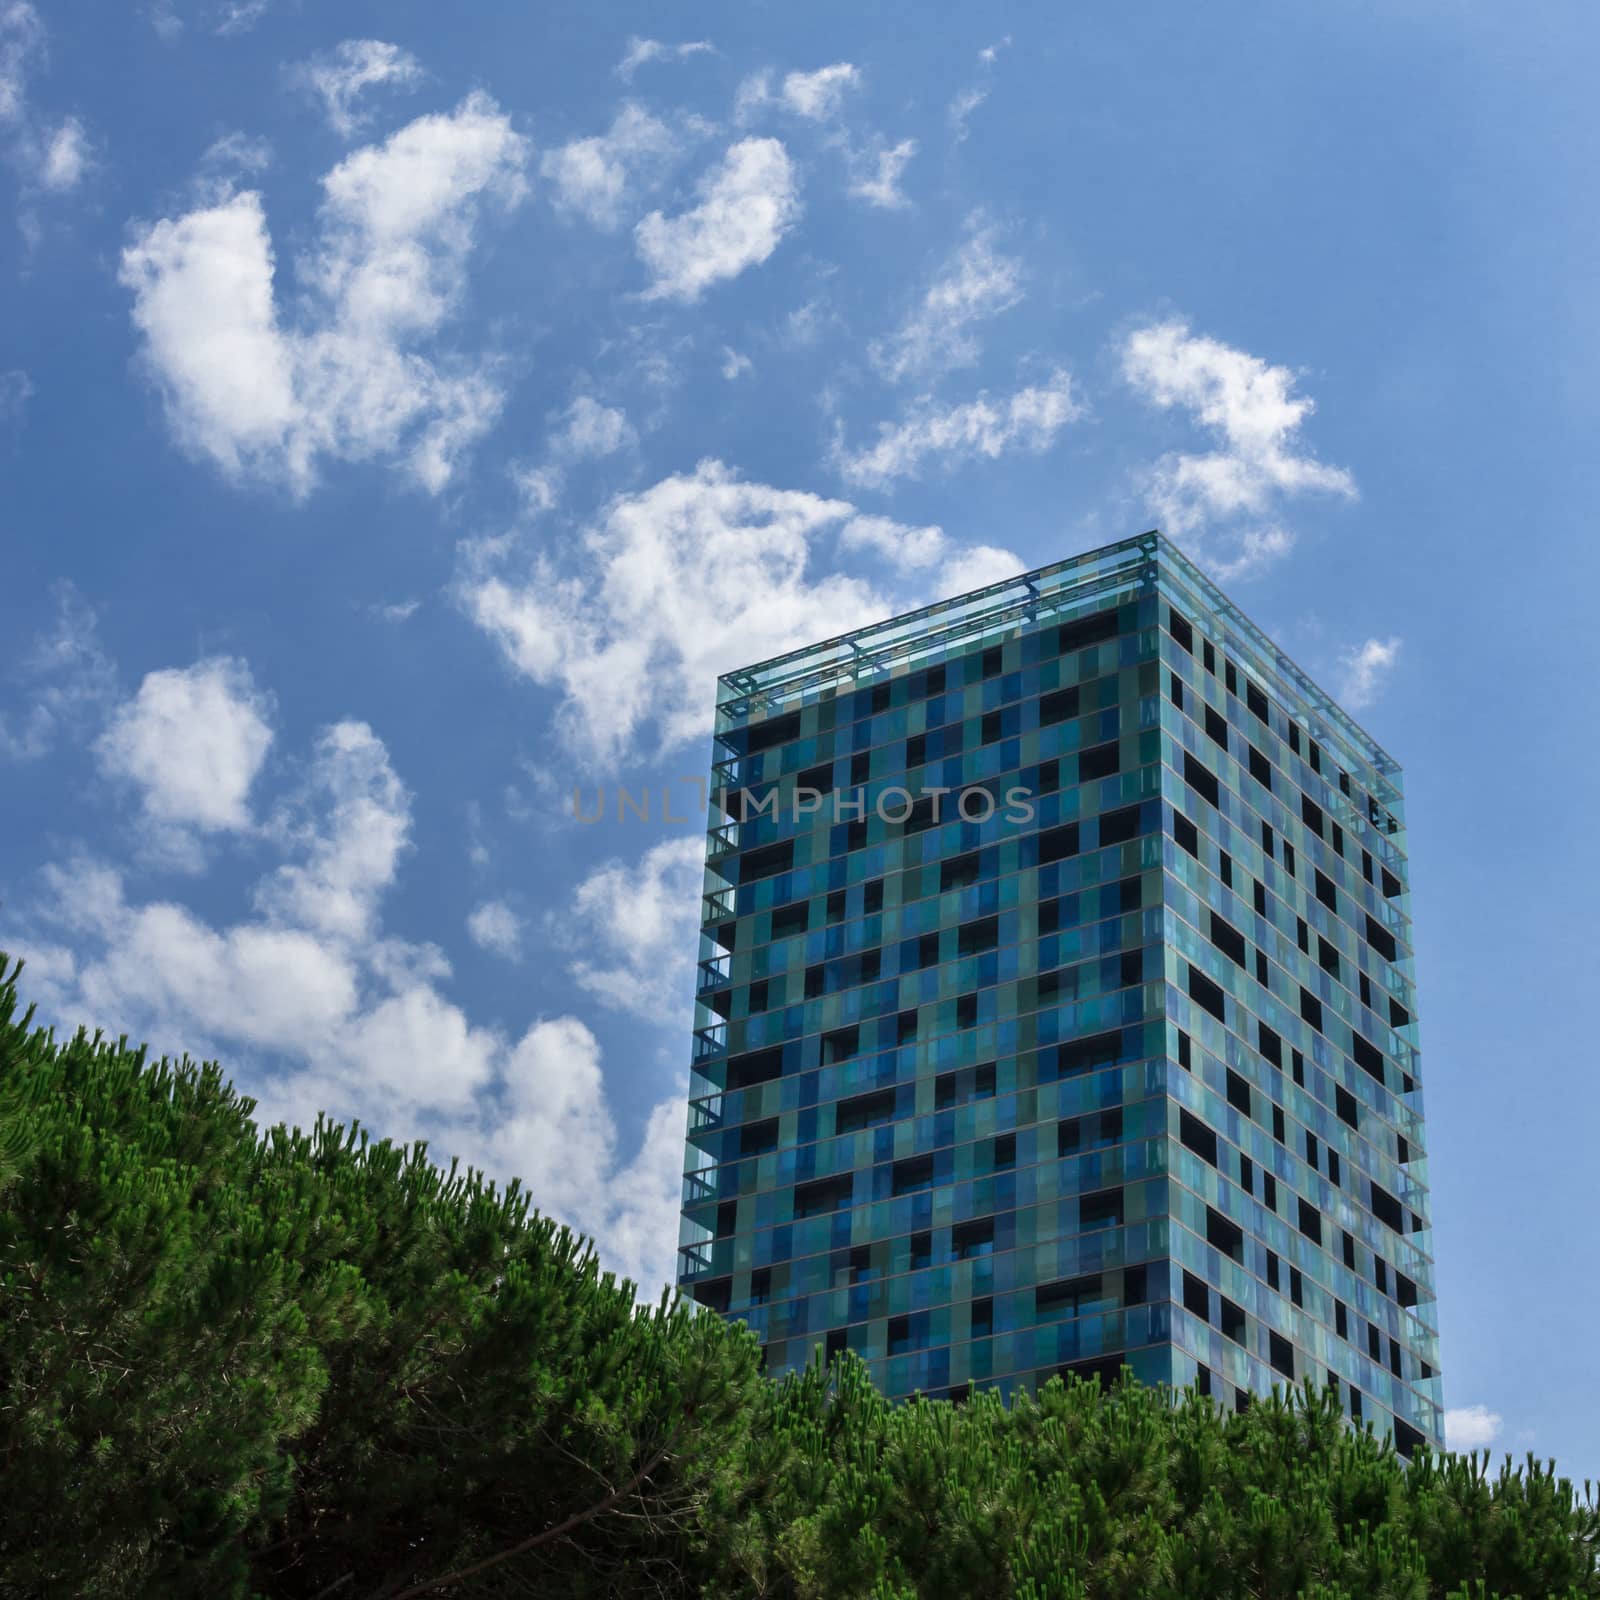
314, 1365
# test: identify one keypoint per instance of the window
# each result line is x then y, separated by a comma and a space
1272, 1270
1093, 629
1196, 1297
1311, 814
1381, 939
1344, 1105
990, 662
983, 934
1327, 957
1238, 1092
1198, 779
1269, 1044
1387, 1209
1206, 994
909, 1176
775, 730
1005, 1150
1230, 676
1368, 1057
1227, 939
1310, 1221
1208, 655
1281, 1354
1348, 1245
1259, 896
1183, 1051
1277, 1125
1247, 1174
1178, 627
1193, 1133
921, 1251
758, 1138
1311, 1009
822, 1195
1225, 868
789, 920
958, 872
1099, 762
1060, 705
1341, 1320
1255, 699
756, 1066
1057, 844
1325, 892
905, 1027
864, 1111
1224, 1235
1217, 726
1117, 827
836, 906
766, 861
1176, 691
1232, 1320
1186, 834
1269, 1191
968, 1239
1084, 1055
1100, 1210
872, 897
1260, 768
1263, 977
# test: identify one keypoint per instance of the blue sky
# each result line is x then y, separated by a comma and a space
404, 415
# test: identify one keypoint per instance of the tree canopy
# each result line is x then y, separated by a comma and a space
298, 1365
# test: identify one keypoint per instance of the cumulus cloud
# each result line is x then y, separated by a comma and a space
747, 204
1028, 420
495, 927
65, 157
641, 51
734, 364
975, 285
53, 157
313, 1008
590, 429
597, 178
1365, 670
819, 95
264, 397
1471, 1427
697, 574
877, 177
67, 682
1224, 499
192, 741
903, 546
339, 77
641, 919
22, 41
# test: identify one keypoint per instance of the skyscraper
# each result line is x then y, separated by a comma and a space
1056, 1006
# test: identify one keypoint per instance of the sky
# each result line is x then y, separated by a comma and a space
406, 413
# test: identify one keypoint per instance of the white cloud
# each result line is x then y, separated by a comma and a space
192, 740
1251, 408
697, 574
65, 158
976, 568
961, 108
386, 271
16, 390
539, 488
597, 177
591, 429
1364, 671
976, 284
21, 47
68, 680
903, 546
339, 77
642, 920
746, 206
988, 54
1028, 420
735, 365
880, 186
1471, 1428
495, 927
640, 51
818, 95
351, 827
399, 611
239, 16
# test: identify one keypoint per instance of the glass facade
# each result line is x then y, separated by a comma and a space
1056, 1006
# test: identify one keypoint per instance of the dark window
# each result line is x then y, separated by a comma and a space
921, 1251
1186, 834
1100, 1210
1202, 1382
1269, 1191
1176, 690
1225, 868
981, 1324
1311, 1009
1327, 956
1132, 965
819, 778
824, 1194
1005, 1150
972, 1238
766, 861
1226, 1236
959, 871
1227, 939
1298, 1066
1288, 858
1178, 627
872, 897
1333, 1168
1387, 1209
909, 1176
1057, 844
1312, 1148
775, 730
864, 1111
1407, 1440
1325, 892
1316, 756
1232, 1320
1197, 1136
984, 934
1196, 1297
757, 1066
1069, 1136
1093, 629
1277, 1125
1263, 977
1183, 1051
1281, 1354
1238, 1092
836, 906
790, 920
717, 1293
1302, 935
1311, 814
905, 1027
1100, 762
1388, 883
1247, 1174
1057, 706
1260, 768
1381, 939
991, 662
1230, 676
1368, 1057
1272, 1270
1310, 1221
1083, 1055
1255, 700
1259, 896
1269, 1044
1217, 726
860, 768
1206, 994
916, 750
1198, 779
1341, 1320
1344, 1103
1349, 1247
727, 1218
1117, 827
1208, 655
1405, 1291
966, 1011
